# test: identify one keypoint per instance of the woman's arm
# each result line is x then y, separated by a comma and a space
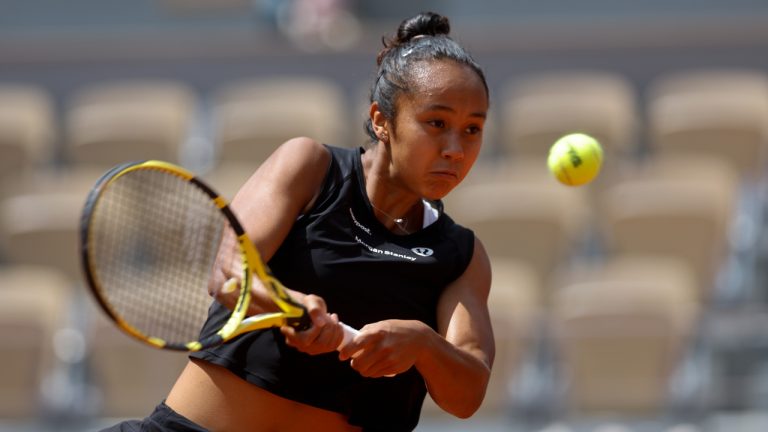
268, 204
283, 187
455, 361
457, 366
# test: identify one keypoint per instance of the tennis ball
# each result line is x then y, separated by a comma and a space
575, 159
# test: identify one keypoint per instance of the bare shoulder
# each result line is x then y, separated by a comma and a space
299, 162
294, 172
304, 153
304, 145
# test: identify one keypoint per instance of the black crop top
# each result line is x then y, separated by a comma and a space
365, 273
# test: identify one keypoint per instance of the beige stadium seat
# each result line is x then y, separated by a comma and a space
73, 180
682, 208
253, 117
519, 211
228, 177
537, 109
514, 308
27, 131
42, 229
34, 302
131, 377
118, 121
620, 328
721, 112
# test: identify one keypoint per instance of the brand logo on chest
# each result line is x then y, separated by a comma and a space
423, 251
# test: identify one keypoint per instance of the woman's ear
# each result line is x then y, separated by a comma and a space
379, 123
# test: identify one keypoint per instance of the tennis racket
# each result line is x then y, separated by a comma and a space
151, 236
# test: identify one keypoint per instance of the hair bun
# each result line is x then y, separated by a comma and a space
423, 24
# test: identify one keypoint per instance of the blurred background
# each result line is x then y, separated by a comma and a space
636, 303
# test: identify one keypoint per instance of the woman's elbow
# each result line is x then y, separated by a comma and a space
466, 412
467, 407
471, 399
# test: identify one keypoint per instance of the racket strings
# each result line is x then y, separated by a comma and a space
155, 239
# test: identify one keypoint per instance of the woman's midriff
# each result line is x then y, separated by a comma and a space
218, 400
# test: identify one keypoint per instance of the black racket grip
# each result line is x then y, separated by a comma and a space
300, 323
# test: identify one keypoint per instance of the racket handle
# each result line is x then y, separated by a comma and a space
349, 334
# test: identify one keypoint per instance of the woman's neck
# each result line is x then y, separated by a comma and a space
398, 209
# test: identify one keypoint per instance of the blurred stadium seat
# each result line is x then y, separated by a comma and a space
620, 328
27, 131
228, 177
515, 307
42, 229
34, 303
721, 112
131, 378
124, 120
519, 211
682, 208
251, 118
537, 109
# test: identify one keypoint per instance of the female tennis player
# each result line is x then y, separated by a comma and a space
360, 234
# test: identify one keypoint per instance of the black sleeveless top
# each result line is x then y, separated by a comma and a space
365, 273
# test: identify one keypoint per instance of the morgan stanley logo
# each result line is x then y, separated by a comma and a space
423, 251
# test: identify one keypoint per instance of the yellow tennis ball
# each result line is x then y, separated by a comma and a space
575, 159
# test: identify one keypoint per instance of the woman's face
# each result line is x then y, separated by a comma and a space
438, 128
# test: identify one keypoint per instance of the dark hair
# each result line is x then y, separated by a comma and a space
422, 37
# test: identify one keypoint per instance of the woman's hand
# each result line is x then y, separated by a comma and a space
324, 336
387, 348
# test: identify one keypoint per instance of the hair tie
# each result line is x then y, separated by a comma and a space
408, 52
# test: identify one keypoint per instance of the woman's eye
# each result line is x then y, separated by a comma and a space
473, 130
437, 123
